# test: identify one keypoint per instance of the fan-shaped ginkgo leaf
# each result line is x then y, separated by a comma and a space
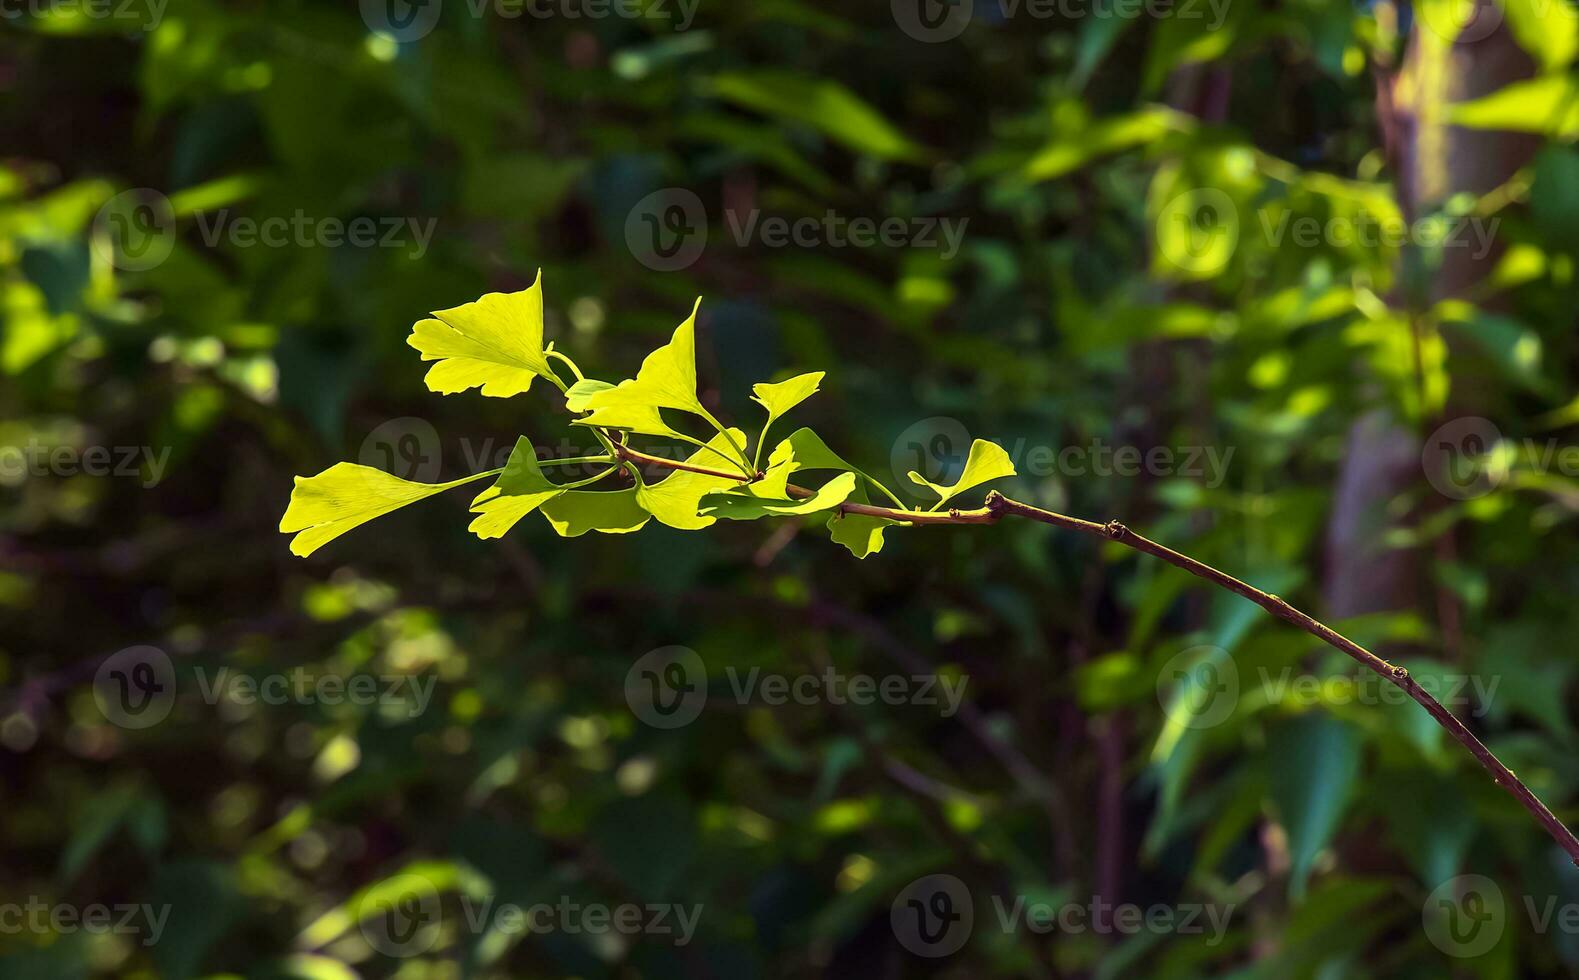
495, 343
346, 496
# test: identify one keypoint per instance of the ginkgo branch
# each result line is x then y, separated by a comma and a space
998, 506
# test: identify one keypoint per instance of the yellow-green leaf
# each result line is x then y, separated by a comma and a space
576, 512
495, 343
577, 394
860, 533
782, 396
987, 461
748, 507
346, 496
521, 489
628, 417
676, 499
667, 378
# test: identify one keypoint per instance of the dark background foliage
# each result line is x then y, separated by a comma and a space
1078, 313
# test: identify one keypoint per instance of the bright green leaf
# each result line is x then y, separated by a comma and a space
748, 507
782, 396
641, 419
987, 461
860, 533
576, 396
346, 496
805, 450
575, 513
676, 499
667, 378
495, 343
521, 489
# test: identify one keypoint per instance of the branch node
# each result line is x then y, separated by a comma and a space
1401, 673
1116, 530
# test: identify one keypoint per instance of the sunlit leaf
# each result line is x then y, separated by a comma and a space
860, 533
987, 461
576, 512
641, 419
521, 489
667, 378
675, 499
738, 506
577, 394
780, 397
346, 496
495, 343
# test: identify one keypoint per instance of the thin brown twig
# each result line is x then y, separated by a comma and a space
997, 506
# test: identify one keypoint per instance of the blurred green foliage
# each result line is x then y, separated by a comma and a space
1133, 273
